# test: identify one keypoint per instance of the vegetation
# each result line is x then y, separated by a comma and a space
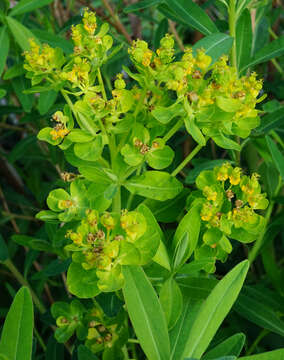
142, 180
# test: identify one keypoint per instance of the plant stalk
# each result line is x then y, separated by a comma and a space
173, 130
187, 159
232, 29
9, 264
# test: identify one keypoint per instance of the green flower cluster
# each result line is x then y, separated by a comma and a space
90, 324
103, 243
228, 202
207, 97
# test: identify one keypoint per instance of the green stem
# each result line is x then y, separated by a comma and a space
173, 130
232, 29
277, 138
140, 103
261, 335
40, 340
259, 242
116, 204
102, 84
131, 196
187, 159
8, 263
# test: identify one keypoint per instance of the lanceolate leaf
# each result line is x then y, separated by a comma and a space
25, 6
268, 52
243, 39
146, 314
231, 346
215, 45
17, 334
258, 313
4, 47
21, 33
140, 5
277, 157
189, 13
271, 355
214, 310
179, 334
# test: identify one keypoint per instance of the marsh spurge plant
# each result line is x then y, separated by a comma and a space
117, 140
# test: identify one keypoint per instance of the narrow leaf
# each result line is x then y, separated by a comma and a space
140, 5
17, 334
25, 6
4, 47
271, 355
189, 13
243, 39
146, 314
277, 157
215, 45
214, 310
231, 346
268, 52
21, 33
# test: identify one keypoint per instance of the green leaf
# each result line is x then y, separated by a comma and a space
161, 31
226, 143
268, 52
150, 241
17, 333
82, 283
54, 350
144, 4
33, 243
243, 39
194, 130
271, 121
146, 314
214, 310
255, 311
25, 6
48, 216
21, 33
85, 353
165, 114
231, 346
160, 158
54, 198
14, 71
90, 151
97, 174
186, 236
271, 355
4, 47
215, 45
195, 266
171, 301
53, 40
80, 136
204, 165
277, 156
190, 14
169, 210
46, 100
20, 84
228, 104
179, 334
156, 185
